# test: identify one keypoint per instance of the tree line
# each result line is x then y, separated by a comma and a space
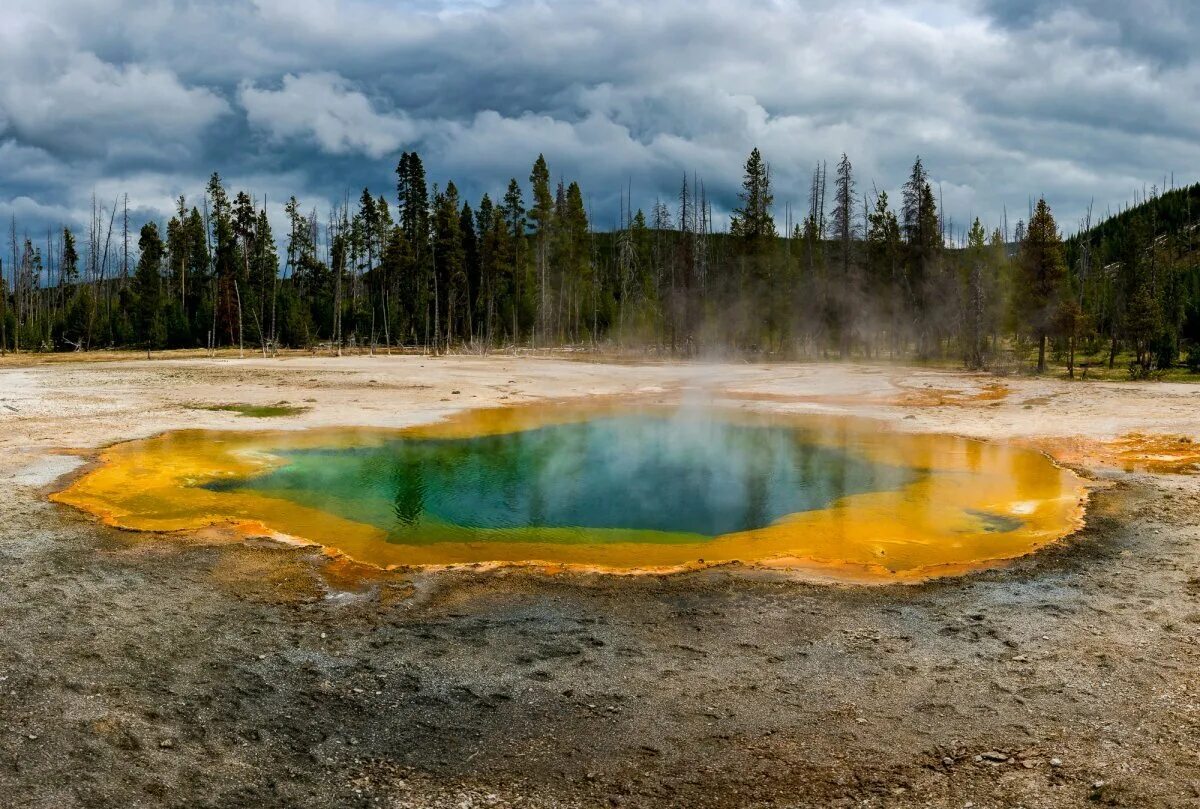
856, 276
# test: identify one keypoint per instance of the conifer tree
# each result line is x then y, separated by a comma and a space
974, 304
147, 287
845, 289
450, 277
471, 269
541, 215
69, 272
922, 233
885, 276
514, 219
1042, 271
752, 221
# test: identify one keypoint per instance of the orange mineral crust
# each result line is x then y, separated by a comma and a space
964, 504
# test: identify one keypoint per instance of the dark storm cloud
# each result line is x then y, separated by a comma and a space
1161, 31
1074, 100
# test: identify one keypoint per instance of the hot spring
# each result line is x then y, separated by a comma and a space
612, 487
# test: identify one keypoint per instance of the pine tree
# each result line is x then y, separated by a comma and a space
752, 221
922, 234
450, 272
576, 260
1143, 319
974, 297
225, 263
885, 276
490, 236
845, 288
542, 217
69, 271
1042, 272
514, 219
147, 287
416, 293
265, 276
845, 203
471, 268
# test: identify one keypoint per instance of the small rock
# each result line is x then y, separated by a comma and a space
949, 762
167, 744
1056, 762
995, 755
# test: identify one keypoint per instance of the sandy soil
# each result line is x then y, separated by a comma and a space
144, 670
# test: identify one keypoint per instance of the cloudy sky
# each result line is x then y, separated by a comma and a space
1073, 100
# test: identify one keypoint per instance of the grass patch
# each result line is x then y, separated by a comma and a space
255, 411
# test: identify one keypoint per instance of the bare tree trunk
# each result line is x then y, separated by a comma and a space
125, 240
241, 334
337, 310
16, 296
3, 313
104, 270
387, 337
262, 337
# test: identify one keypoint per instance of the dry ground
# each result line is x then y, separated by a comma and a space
141, 670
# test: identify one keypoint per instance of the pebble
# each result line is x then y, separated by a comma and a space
1056, 762
948, 761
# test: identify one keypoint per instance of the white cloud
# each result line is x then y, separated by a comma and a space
1002, 98
324, 107
82, 103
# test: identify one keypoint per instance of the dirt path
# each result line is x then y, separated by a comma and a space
138, 670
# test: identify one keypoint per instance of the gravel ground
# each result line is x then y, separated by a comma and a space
196, 671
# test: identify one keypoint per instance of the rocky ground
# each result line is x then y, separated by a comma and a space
194, 671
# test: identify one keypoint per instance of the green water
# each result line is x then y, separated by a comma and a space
680, 474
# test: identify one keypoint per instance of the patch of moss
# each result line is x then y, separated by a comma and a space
256, 411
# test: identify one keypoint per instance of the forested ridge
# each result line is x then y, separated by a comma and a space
420, 267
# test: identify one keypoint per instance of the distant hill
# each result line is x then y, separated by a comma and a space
1138, 275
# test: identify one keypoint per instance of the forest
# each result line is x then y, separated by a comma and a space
859, 276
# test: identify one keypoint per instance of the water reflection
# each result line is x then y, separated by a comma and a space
681, 473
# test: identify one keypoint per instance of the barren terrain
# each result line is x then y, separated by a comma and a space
196, 671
